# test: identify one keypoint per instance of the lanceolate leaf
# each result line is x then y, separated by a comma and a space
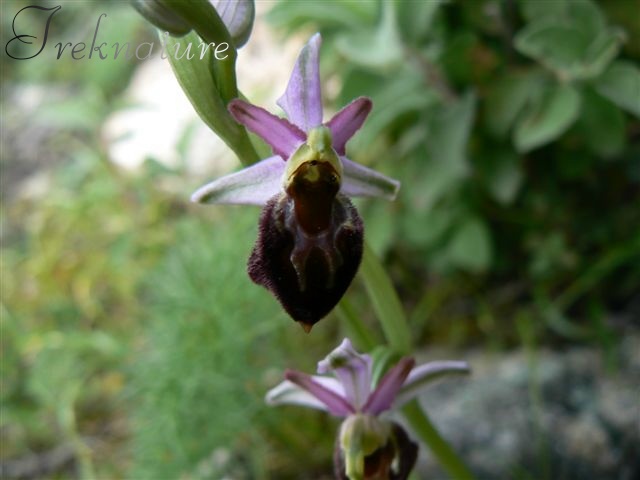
195, 78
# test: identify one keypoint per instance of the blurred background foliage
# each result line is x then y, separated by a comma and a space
133, 343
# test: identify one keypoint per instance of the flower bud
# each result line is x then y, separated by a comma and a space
177, 18
238, 16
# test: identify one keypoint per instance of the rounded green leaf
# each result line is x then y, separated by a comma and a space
470, 247
621, 84
381, 48
568, 50
556, 45
549, 118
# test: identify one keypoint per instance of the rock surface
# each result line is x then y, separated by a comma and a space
543, 415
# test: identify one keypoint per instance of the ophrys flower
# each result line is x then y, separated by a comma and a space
311, 237
369, 446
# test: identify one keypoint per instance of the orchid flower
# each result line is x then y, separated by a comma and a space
369, 446
310, 237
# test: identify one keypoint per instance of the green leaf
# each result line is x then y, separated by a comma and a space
416, 19
450, 131
470, 247
549, 118
506, 100
349, 14
446, 164
602, 124
533, 10
567, 50
383, 359
586, 15
399, 97
602, 50
195, 78
553, 44
621, 84
447, 141
424, 229
206, 22
583, 14
380, 226
506, 177
377, 49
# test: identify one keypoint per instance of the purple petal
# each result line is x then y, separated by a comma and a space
352, 369
288, 393
360, 181
348, 121
254, 185
281, 135
385, 393
302, 101
422, 375
336, 404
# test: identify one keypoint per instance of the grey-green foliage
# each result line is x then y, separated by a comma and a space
198, 377
507, 123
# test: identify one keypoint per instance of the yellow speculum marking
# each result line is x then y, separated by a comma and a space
316, 149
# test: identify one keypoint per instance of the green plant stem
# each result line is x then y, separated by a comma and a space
385, 302
447, 458
388, 308
358, 331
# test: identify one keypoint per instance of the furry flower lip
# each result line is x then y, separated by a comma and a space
368, 446
310, 238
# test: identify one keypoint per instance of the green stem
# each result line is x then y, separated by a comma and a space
358, 331
447, 458
385, 302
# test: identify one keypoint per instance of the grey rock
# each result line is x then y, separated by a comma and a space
542, 415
